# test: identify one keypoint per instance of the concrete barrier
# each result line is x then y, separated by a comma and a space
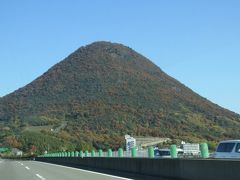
178, 169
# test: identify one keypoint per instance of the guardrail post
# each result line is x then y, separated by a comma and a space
204, 150
76, 154
100, 153
120, 152
86, 153
92, 153
81, 154
150, 152
173, 151
72, 154
134, 152
68, 154
109, 153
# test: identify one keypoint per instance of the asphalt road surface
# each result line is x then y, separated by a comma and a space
33, 170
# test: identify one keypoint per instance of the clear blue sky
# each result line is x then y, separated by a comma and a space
196, 42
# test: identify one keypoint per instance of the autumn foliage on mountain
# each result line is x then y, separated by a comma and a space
101, 92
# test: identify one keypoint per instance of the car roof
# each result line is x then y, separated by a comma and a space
231, 141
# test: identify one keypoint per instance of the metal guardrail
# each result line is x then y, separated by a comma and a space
146, 153
140, 153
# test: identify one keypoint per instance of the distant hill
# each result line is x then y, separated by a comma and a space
103, 91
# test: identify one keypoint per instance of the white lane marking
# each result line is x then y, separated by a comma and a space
27, 168
21, 164
92, 172
39, 176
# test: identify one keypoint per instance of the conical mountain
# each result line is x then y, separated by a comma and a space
109, 89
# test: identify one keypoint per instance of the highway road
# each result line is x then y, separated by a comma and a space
33, 170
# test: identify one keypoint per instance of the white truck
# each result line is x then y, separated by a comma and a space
191, 149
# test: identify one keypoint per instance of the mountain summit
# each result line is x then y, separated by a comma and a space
105, 90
